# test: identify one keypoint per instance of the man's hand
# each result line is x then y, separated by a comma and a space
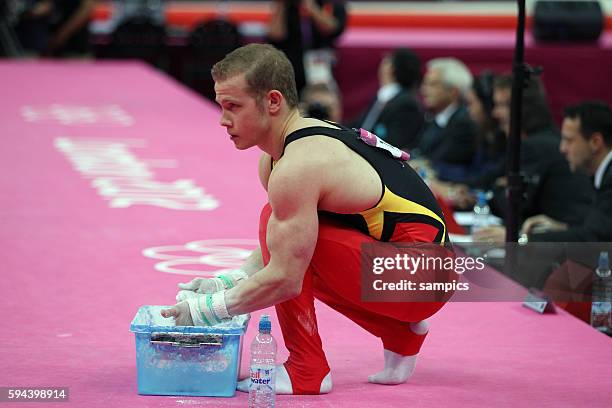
200, 310
181, 314
202, 285
541, 223
210, 285
501, 182
494, 234
461, 196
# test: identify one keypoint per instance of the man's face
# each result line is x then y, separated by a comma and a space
501, 108
436, 95
385, 71
576, 149
475, 108
245, 120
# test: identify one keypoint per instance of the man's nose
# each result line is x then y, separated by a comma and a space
225, 122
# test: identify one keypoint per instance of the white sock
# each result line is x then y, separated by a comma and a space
283, 382
399, 368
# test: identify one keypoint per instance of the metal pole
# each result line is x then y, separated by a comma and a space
515, 184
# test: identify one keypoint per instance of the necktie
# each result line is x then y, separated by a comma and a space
372, 116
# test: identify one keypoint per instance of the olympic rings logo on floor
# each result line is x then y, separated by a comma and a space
202, 258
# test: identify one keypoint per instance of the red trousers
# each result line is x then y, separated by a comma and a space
333, 277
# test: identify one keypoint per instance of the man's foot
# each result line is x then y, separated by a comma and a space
283, 382
399, 368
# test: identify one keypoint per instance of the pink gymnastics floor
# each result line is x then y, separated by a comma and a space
117, 183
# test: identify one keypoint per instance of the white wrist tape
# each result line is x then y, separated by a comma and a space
219, 307
231, 278
208, 309
219, 284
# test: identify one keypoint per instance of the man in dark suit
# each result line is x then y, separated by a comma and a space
587, 145
566, 270
395, 115
448, 140
550, 186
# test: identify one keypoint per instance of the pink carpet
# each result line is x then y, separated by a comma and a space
98, 160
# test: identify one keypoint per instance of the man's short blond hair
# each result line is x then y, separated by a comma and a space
265, 69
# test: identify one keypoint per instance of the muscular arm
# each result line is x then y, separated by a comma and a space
254, 262
291, 239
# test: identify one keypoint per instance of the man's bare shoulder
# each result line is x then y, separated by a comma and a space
300, 160
306, 160
294, 183
310, 157
325, 168
316, 150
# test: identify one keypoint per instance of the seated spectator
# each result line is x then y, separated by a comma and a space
321, 101
448, 140
548, 178
490, 140
490, 146
395, 115
586, 143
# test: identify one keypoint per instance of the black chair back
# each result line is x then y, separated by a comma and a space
138, 38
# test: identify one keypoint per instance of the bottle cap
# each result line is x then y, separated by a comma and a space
482, 198
604, 261
265, 325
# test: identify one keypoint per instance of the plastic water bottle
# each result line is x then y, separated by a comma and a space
481, 212
424, 176
262, 391
601, 304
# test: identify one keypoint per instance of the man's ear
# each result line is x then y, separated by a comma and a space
273, 101
596, 142
456, 93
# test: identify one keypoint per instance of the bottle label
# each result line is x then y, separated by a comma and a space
262, 375
601, 317
601, 307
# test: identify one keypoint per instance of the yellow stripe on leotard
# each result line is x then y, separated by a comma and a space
391, 202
